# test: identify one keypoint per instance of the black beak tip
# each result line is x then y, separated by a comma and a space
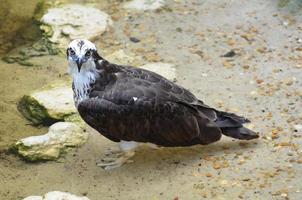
79, 64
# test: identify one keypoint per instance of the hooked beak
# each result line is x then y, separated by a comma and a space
79, 62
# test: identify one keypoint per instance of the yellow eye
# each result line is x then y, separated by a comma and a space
88, 53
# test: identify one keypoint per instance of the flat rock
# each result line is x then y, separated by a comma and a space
166, 70
56, 195
144, 4
74, 21
60, 136
49, 105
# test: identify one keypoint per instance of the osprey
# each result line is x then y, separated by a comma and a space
131, 105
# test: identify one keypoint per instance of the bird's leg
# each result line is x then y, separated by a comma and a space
115, 150
117, 158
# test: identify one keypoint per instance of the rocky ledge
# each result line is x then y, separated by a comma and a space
49, 105
60, 137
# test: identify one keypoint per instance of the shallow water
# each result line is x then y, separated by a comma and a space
262, 82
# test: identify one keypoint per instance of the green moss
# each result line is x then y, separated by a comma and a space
24, 152
34, 112
25, 63
47, 47
76, 118
40, 9
47, 30
27, 155
20, 149
35, 36
8, 59
39, 48
15, 148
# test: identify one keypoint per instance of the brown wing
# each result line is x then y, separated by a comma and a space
168, 124
145, 107
139, 105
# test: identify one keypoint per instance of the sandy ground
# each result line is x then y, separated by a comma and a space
262, 81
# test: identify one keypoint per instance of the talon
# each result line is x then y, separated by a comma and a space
116, 159
113, 150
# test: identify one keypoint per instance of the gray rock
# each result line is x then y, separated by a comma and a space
60, 136
144, 4
74, 21
167, 70
49, 105
56, 195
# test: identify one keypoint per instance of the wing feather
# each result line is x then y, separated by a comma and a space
143, 106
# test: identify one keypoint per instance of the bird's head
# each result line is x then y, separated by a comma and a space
81, 53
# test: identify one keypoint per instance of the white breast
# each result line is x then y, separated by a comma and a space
82, 84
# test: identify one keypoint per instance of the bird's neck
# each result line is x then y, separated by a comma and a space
101, 72
82, 83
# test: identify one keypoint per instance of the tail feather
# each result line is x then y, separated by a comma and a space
233, 116
231, 125
240, 133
